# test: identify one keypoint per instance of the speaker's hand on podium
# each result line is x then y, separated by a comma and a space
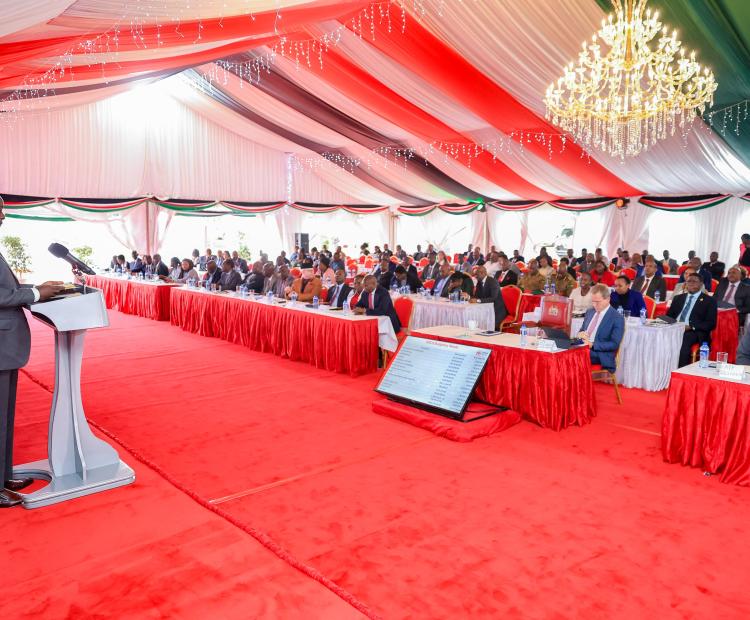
49, 289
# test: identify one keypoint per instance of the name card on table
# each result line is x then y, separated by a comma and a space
731, 372
546, 344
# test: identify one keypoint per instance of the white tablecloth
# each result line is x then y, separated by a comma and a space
429, 313
648, 354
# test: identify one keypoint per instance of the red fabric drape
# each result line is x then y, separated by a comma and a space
706, 424
362, 87
445, 68
325, 342
131, 297
521, 379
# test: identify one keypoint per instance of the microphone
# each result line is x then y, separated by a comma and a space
61, 251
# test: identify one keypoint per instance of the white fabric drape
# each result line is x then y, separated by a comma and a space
16, 15
452, 233
719, 229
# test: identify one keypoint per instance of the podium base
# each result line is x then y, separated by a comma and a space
70, 486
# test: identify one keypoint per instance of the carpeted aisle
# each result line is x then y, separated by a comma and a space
585, 523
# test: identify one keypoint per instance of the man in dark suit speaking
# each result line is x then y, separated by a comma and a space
376, 301
15, 345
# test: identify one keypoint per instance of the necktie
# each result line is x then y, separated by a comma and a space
593, 324
686, 310
729, 294
645, 285
372, 300
335, 295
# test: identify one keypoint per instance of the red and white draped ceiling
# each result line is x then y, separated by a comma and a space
328, 102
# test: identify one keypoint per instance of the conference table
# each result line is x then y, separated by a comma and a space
324, 338
432, 312
145, 298
706, 423
553, 389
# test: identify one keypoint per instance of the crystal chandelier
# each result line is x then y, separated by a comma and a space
637, 93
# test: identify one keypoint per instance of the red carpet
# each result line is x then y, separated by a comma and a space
585, 523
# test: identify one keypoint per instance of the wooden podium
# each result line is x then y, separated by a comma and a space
78, 463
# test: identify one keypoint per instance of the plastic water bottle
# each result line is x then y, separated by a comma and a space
643, 316
315, 302
293, 298
546, 288
524, 335
269, 297
704, 352
346, 307
657, 296
552, 288
621, 310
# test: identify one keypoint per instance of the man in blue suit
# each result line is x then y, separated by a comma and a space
376, 301
603, 329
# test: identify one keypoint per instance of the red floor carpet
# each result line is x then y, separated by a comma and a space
585, 523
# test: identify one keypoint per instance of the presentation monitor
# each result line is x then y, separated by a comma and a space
434, 375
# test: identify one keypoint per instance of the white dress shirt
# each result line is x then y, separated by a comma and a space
581, 303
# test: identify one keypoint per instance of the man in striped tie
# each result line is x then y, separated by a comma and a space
697, 310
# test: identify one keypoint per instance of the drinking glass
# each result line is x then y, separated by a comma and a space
721, 360
627, 314
472, 325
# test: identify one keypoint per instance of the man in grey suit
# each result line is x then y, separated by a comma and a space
230, 278
733, 291
15, 345
487, 291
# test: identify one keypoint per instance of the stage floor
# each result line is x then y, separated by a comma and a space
267, 488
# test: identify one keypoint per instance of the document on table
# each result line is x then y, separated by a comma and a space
440, 375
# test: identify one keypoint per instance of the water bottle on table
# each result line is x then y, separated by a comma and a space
643, 316
315, 302
704, 353
346, 307
657, 297
269, 297
524, 335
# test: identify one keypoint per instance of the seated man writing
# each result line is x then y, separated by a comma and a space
376, 301
603, 329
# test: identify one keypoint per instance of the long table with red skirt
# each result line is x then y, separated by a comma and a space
344, 344
140, 298
706, 424
519, 377
725, 338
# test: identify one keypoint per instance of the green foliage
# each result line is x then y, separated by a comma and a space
84, 253
16, 254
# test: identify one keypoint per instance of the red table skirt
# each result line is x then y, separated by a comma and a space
326, 342
725, 338
706, 424
529, 303
522, 380
131, 297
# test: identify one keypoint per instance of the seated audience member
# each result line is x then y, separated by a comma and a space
386, 252
281, 259
743, 351
175, 268
113, 263
121, 266
402, 277
256, 279
570, 255
187, 272
487, 291
358, 286
492, 264
306, 286
704, 273
278, 282
219, 258
469, 251
442, 258
400, 253
148, 266
475, 258
195, 256
135, 265
563, 281
337, 261
506, 276
384, 273
602, 275
305, 261
376, 301
419, 255
698, 311
463, 266
239, 263
599, 255
623, 261
339, 292
533, 281
543, 254
603, 329
545, 266
213, 273
582, 258
626, 298
441, 282
432, 268
461, 283
573, 273
732, 290
587, 266
517, 258
159, 268
294, 256
581, 296
209, 255
408, 264
681, 287
327, 275
670, 262
691, 256
651, 283
745, 251
230, 278
714, 266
